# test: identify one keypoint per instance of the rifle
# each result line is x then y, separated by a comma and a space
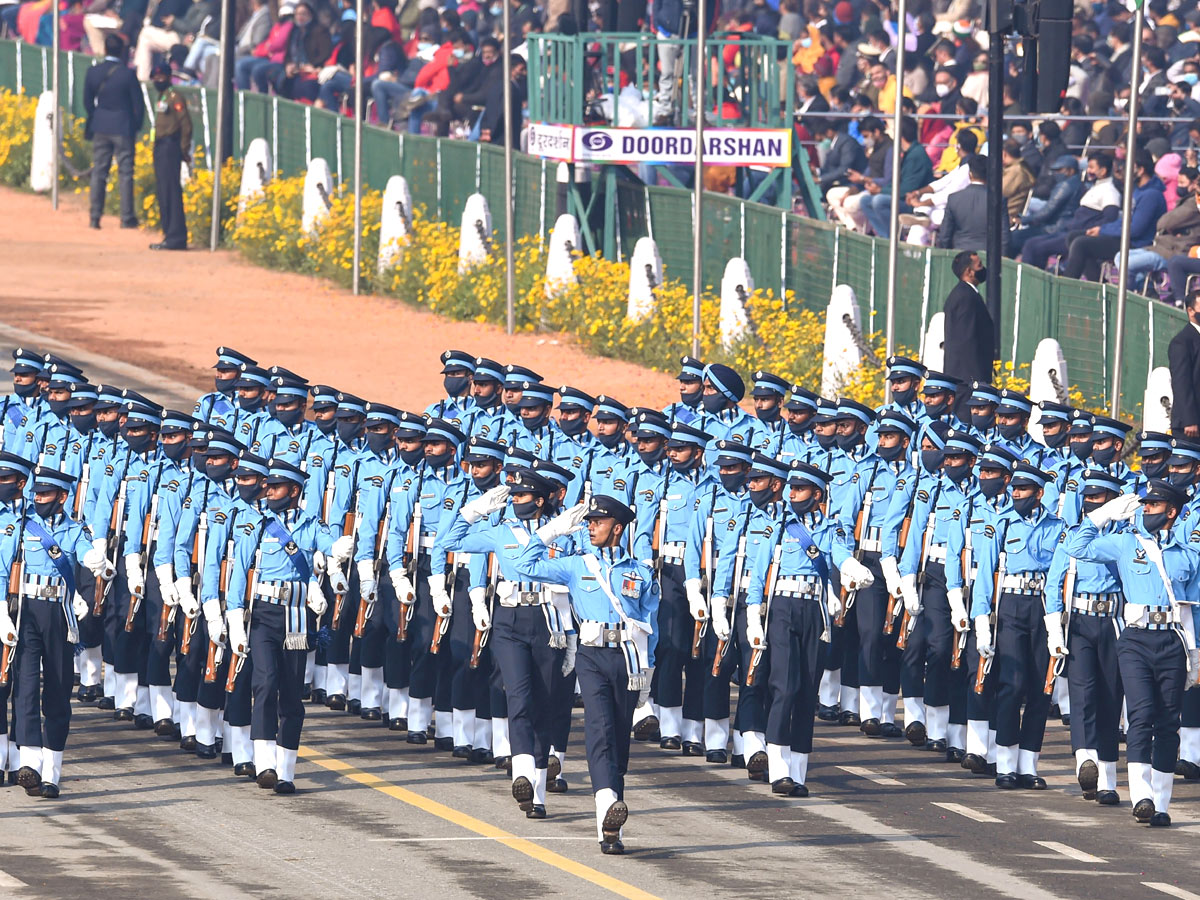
893, 605
660, 528
985, 665
81, 490
16, 572
860, 528
136, 597
215, 648
772, 577
907, 624
235, 668
706, 567
739, 560
960, 641
198, 547
115, 521
364, 603
481, 636
442, 625
412, 552
349, 526
1054, 669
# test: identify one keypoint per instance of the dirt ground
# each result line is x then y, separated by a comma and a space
106, 292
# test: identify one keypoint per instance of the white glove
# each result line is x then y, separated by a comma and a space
187, 599
94, 561
405, 591
337, 581
958, 611
754, 630
320, 562
366, 579
1054, 635
908, 591
855, 575
212, 617
891, 575
983, 637
568, 665
133, 574
316, 599
8, 630
79, 605
236, 625
695, 599
833, 603
166, 584
483, 506
720, 617
342, 548
1193, 675
437, 593
563, 524
644, 693
100, 545
479, 611
1117, 510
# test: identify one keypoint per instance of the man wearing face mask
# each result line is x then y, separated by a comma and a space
711, 559
23, 408
282, 543
219, 407
1107, 443
511, 391
1154, 452
490, 417
49, 545
970, 332
982, 404
691, 389
457, 407
723, 419
286, 434
613, 454
798, 415
1078, 453
665, 504
972, 502
14, 475
938, 393
768, 393
575, 448
788, 604
1182, 467
1012, 624
253, 387
1012, 423
904, 377
1156, 652
1052, 453
1091, 643
50, 439
172, 146
539, 433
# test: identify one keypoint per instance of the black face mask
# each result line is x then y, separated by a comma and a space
1025, 505
514, 408
1154, 522
48, 509
25, 390
849, 441
58, 407
1090, 505
573, 427
536, 422
250, 492
1012, 432
175, 450
251, 404
733, 481
139, 443
486, 484
609, 440
714, 403
455, 384
1056, 440
325, 426
199, 461
691, 398
1181, 479
1154, 470
935, 409
219, 471
348, 431
84, 422
225, 386
1081, 449
9, 491
161, 86
1104, 456
981, 275
891, 454
825, 441
799, 428
279, 504
652, 457
1181, 192
931, 460
412, 457
991, 487
379, 443
438, 460
761, 498
290, 418
904, 397
526, 510
983, 421
803, 507
957, 472
770, 416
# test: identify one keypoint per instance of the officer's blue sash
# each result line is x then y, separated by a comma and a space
13, 412
800, 533
276, 530
54, 552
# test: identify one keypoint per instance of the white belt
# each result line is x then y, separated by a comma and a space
1152, 618
426, 541
47, 587
872, 541
601, 634
803, 586
672, 552
936, 553
280, 592
1024, 582
1095, 604
522, 598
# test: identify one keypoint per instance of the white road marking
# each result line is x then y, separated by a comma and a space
1171, 890
8, 881
1070, 852
871, 776
427, 840
972, 814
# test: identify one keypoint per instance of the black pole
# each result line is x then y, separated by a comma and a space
997, 209
229, 27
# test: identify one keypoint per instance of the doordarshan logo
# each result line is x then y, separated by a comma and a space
597, 141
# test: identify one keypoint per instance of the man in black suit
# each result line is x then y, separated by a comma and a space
113, 102
970, 341
1183, 357
845, 155
965, 223
491, 120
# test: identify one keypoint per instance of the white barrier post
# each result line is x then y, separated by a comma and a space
258, 169
475, 235
318, 199
934, 355
41, 172
1047, 379
645, 275
843, 353
560, 260
1156, 403
395, 225
737, 284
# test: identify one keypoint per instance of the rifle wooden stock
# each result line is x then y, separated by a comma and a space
6, 658
196, 561
904, 526
402, 624
16, 572
231, 680
435, 645
339, 603
164, 623
697, 637
889, 620
223, 577
957, 652
185, 642
902, 638
752, 671
98, 596
360, 620
1048, 687
840, 619
210, 663
981, 675
476, 646
716, 667
135, 604
146, 525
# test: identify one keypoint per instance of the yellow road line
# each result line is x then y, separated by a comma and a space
478, 826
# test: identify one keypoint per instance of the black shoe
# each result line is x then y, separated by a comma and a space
106, 703
460, 752
164, 728
693, 748
226, 758
976, 763
285, 787
670, 743
188, 744
165, 246
553, 767
398, 724
522, 792
1187, 769
955, 755
372, 714
88, 693
536, 811
737, 761
756, 765
336, 701
443, 743
938, 746
206, 751
828, 713
1008, 781
577, 701
890, 730
720, 757
143, 722
31, 780
503, 763
1066, 719
130, 223
915, 732
481, 756
557, 785
94, 223
267, 779
307, 695
1089, 777
845, 717
124, 714
50, 792
990, 771
784, 786
647, 729
614, 819
354, 707
1108, 798
12, 778
1158, 820
1143, 810
1032, 782
245, 770
1053, 712
417, 737
431, 731
612, 848
871, 728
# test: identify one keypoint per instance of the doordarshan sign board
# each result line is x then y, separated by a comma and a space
722, 146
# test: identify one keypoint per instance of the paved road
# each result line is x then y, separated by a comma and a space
376, 817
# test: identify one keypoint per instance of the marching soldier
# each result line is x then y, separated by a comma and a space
286, 434
982, 405
1012, 421
1154, 453
723, 419
691, 389
611, 455
253, 388
768, 393
798, 413
1183, 466
23, 408
219, 407
172, 148
539, 434
49, 441
458, 406
576, 448
1054, 456
490, 417
14, 475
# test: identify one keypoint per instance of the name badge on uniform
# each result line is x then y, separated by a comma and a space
631, 585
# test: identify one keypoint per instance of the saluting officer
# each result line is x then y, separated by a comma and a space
1183, 469
172, 147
